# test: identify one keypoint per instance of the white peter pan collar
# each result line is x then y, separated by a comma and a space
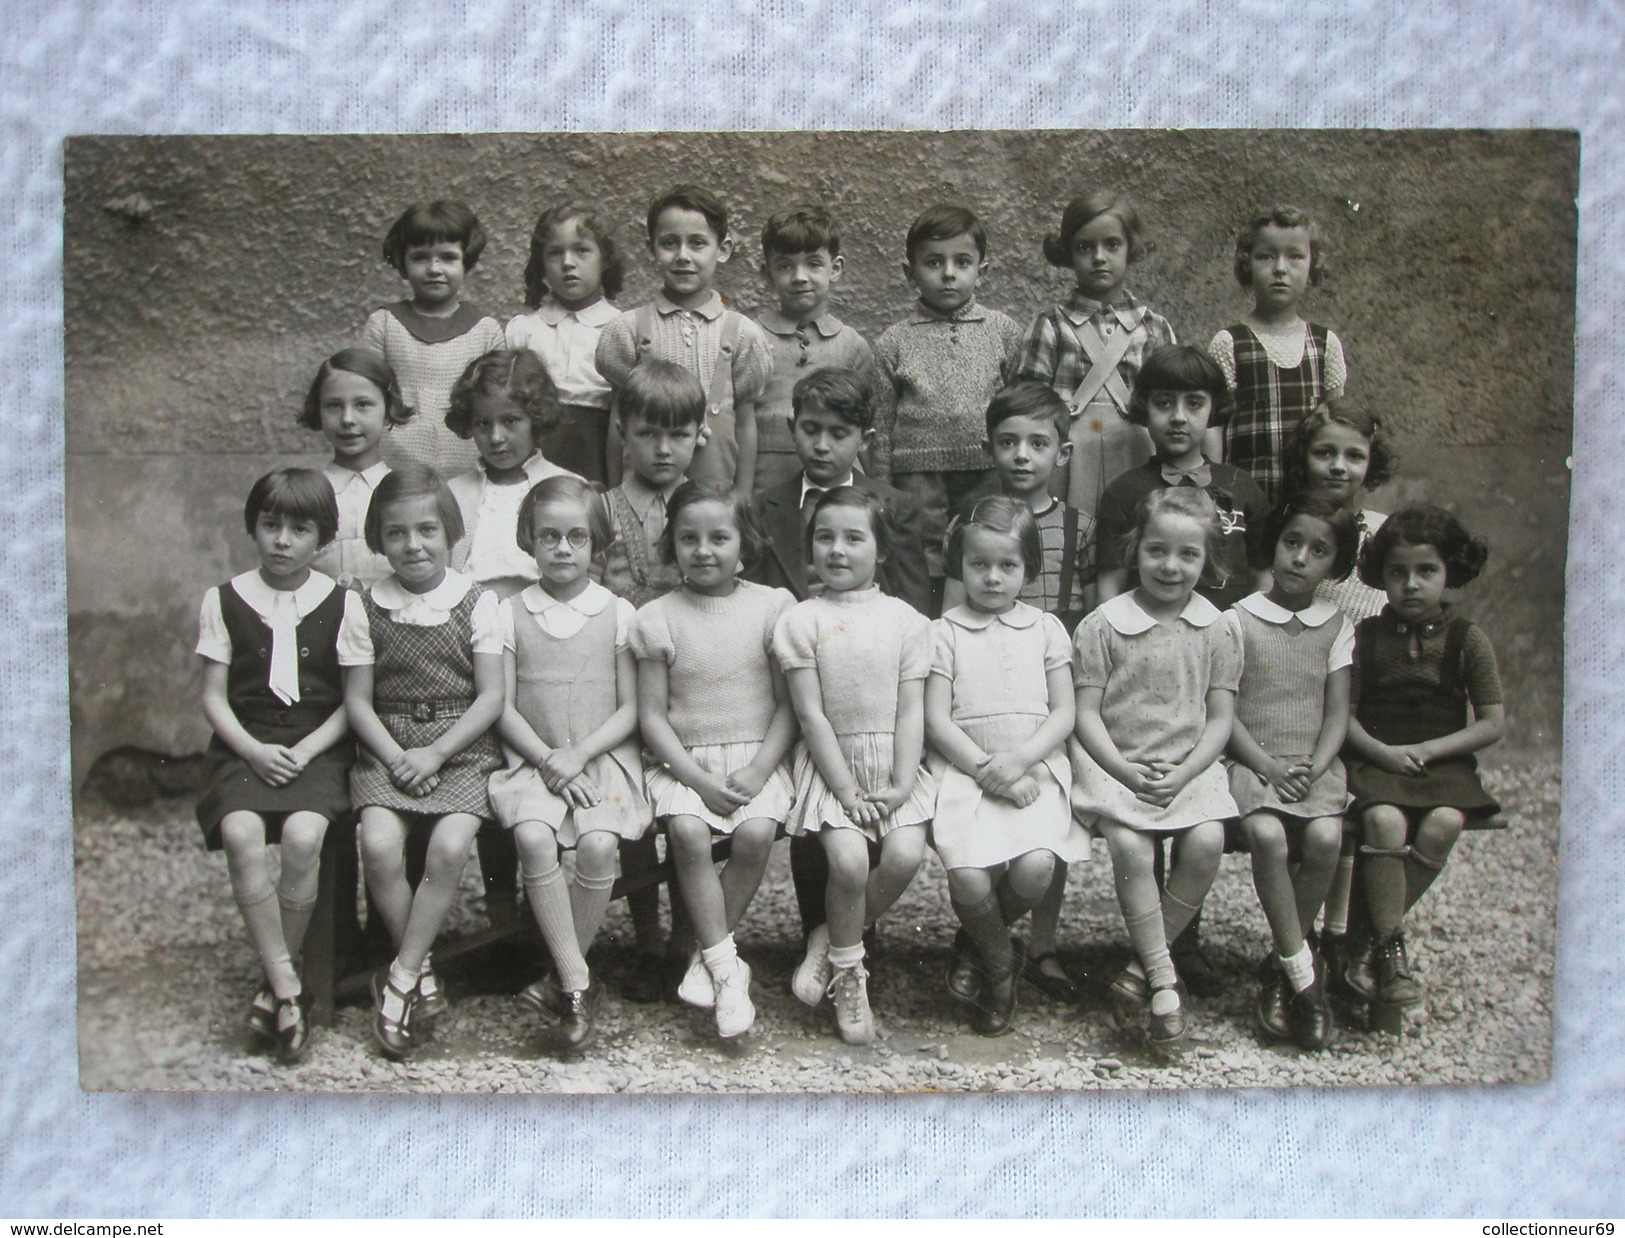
1311, 616
262, 599
563, 618
1019, 616
1128, 618
424, 610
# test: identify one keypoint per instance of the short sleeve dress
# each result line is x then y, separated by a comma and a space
1287, 657
1155, 678
719, 693
565, 687
421, 648
1414, 682
240, 626
863, 645
998, 667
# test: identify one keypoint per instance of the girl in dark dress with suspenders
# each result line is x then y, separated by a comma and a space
1418, 667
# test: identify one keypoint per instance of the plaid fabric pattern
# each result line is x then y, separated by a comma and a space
1051, 352
1058, 587
425, 664
1269, 401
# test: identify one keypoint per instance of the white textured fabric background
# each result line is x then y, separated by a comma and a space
149, 66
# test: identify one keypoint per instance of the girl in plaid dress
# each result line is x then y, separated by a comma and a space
1090, 349
1278, 366
422, 688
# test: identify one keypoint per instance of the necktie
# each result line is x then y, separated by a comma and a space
284, 647
810, 501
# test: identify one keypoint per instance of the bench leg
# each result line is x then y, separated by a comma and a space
499, 869
335, 902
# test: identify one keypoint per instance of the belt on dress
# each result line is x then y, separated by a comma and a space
422, 711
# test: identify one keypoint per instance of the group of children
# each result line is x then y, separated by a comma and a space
992, 590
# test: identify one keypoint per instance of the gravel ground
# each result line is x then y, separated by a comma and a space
165, 969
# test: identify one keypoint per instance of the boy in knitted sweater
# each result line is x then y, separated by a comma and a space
939, 367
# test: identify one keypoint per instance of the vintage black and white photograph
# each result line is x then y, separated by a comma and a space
817, 612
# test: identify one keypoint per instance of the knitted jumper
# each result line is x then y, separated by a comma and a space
863, 644
427, 371
937, 376
717, 650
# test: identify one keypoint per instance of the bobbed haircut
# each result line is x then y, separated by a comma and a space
800, 230
412, 481
296, 494
1344, 412
843, 393
1004, 516
690, 198
1085, 209
565, 488
611, 265
429, 223
516, 373
880, 522
1029, 398
663, 394
943, 222
1282, 216
364, 363
1425, 524
1180, 367
1345, 532
1187, 501
752, 542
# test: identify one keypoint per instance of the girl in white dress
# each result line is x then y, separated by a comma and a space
856, 661
998, 709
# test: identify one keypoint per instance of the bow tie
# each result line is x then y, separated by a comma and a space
1201, 476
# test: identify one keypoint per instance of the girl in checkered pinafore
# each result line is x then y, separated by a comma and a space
1279, 367
422, 688
1090, 349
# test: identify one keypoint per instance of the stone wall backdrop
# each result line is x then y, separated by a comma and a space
206, 278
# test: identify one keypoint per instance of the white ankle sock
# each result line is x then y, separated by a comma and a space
721, 959
403, 980
1300, 969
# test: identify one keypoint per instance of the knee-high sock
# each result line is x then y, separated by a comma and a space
264, 922
589, 899
296, 913
550, 904
986, 927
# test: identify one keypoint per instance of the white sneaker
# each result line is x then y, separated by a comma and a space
850, 989
811, 981
697, 988
735, 1014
